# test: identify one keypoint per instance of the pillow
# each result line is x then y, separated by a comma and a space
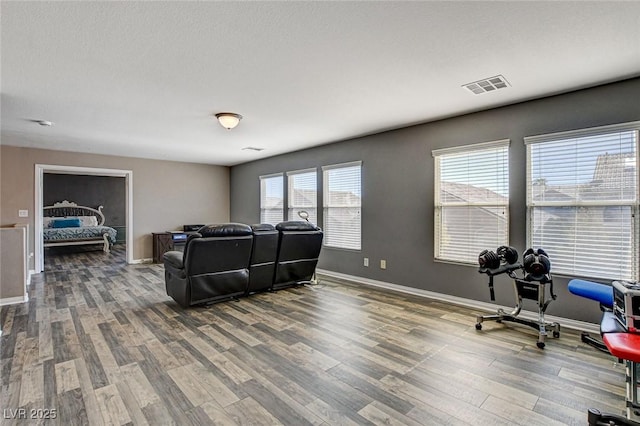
66, 223
88, 220
46, 222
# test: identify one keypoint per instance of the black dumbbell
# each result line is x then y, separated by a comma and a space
488, 259
536, 264
508, 254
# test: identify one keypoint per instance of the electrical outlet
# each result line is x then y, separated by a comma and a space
383, 264
366, 261
23, 213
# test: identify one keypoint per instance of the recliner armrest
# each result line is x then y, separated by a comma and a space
174, 259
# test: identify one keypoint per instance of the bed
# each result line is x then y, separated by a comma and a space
68, 224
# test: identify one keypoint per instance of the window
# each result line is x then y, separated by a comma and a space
471, 200
342, 205
582, 200
271, 199
303, 194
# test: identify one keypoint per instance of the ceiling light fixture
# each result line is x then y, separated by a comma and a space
228, 120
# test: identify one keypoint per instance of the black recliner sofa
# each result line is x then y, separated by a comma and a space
231, 260
213, 267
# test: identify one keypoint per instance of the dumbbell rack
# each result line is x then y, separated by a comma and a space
523, 289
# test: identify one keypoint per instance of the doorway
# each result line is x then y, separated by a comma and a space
41, 169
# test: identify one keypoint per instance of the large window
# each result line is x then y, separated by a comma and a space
303, 194
271, 199
471, 200
582, 199
342, 205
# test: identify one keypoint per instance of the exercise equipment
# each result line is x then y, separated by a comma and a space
532, 285
618, 339
625, 346
508, 254
536, 264
601, 293
488, 259
626, 304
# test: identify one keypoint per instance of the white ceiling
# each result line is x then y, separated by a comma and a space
143, 79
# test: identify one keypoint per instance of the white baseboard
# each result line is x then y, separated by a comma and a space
141, 261
14, 300
470, 303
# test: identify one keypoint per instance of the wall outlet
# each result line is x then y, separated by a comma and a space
366, 261
383, 264
23, 213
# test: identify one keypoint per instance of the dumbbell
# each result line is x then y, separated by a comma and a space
507, 254
536, 264
488, 259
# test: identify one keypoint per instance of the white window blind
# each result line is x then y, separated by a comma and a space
271, 199
471, 200
342, 205
582, 200
303, 194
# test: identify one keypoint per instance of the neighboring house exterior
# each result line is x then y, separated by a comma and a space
591, 217
481, 226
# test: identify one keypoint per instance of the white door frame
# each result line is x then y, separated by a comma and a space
41, 169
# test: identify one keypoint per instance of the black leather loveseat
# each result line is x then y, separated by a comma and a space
231, 260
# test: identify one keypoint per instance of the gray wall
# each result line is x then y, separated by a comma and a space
397, 181
90, 191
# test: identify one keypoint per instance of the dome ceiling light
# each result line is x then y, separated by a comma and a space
228, 120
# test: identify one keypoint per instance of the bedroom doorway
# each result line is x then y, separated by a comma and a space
42, 169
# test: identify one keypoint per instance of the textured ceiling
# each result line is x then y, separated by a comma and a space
143, 79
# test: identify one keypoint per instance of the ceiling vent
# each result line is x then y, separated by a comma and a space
487, 85
252, 148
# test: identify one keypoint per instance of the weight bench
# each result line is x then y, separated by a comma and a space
624, 346
619, 343
603, 294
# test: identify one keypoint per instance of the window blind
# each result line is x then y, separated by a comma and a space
271, 199
582, 201
471, 200
342, 205
303, 194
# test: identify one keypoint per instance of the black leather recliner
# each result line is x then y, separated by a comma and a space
214, 265
299, 246
263, 258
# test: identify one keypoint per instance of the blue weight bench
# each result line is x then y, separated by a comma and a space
619, 343
603, 294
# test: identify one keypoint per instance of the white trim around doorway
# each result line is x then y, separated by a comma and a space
41, 169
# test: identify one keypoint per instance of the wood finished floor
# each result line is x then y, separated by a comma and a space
99, 342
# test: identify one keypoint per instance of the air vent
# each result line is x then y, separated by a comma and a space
252, 148
487, 85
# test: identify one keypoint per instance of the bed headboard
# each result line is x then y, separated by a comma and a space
70, 209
